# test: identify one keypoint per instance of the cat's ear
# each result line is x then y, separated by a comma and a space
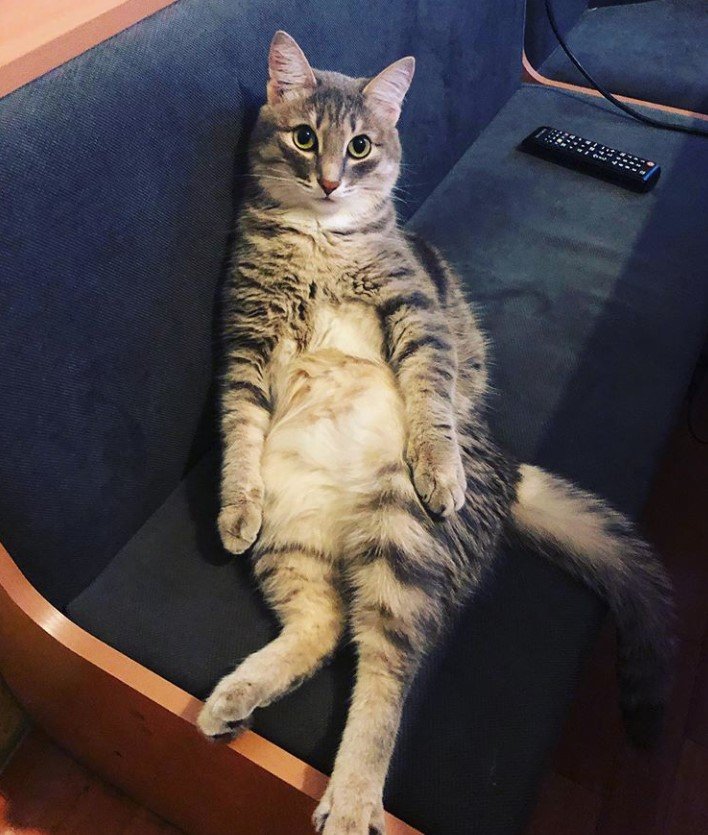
290, 74
387, 90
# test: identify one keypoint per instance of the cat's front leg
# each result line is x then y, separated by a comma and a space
437, 471
240, 520
245, 419
423, 354
244, 425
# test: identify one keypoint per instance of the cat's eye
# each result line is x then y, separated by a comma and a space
359, 147
304, 138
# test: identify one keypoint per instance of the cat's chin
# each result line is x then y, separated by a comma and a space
296, 200
331, 215
328, 206
334, 207
327, 203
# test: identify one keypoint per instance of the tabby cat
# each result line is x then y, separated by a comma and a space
357, 463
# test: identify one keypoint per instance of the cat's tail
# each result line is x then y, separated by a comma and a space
584, 536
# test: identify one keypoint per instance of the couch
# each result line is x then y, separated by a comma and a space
119, 173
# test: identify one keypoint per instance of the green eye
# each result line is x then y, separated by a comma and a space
304, 138
359, 147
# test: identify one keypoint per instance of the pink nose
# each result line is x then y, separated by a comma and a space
328, 186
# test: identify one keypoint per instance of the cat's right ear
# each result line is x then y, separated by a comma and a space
290, 74
386, 91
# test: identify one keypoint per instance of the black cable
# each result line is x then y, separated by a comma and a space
655, 123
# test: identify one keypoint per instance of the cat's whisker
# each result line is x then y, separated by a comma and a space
291, 180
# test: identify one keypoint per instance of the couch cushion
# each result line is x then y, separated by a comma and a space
595, 297
655, 51
595, 300
116, 176
114, 171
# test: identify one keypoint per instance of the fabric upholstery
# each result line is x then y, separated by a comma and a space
539, 40
595, 301
580, 283
655, 51
593, 4
116, 176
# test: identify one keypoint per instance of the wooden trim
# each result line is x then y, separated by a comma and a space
136, 730
39, 35
531, 74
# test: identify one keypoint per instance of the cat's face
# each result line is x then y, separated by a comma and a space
326, 143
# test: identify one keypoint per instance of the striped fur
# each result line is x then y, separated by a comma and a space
358, 467
584, 536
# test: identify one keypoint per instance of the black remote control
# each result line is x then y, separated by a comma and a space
593, 158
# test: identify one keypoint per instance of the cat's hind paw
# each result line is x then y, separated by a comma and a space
347, 811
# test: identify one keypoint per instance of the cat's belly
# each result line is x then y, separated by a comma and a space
339, 413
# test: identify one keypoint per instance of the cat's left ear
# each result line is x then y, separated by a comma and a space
290, 73
386, 91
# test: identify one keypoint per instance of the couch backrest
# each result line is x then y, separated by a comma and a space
116, 177
539, 40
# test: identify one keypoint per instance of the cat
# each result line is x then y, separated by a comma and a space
357, 463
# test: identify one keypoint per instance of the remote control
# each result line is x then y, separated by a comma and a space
593, 158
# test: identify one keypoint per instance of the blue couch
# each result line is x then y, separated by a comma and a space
653, 50
118, 176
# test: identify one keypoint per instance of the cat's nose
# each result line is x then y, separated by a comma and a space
328, 186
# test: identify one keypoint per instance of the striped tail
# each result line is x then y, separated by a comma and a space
594, 543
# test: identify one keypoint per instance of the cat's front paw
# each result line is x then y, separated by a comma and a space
347, 810
438, 475
240, 521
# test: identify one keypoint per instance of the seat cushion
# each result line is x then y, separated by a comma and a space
595, 297
595, 301
655, 51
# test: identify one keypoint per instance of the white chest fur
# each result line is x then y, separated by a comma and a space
353, 329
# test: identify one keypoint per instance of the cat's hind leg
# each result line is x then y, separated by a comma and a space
298, 583
396, 578
294, 562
